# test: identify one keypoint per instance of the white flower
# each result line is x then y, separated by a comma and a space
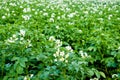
71, 23
58, 43
58, 17
51, 38
62, 53
21, 38
71, 15
54, 55
30, 45
67, 9
7, 9
85, 12
51, 20
57, 52
33, 9
69, 48
26, 10
22, 32
10, 40
45, 14
25, 78
53, 15
55, 60
57, 27
80, 31
66, 61
62, 59
26, 17
3, 17
100, 19
109, 17
12, 4
83, 54
13, 11
94, 79
21, 6
14, 36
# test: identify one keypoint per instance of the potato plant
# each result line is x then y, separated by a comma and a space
59, 40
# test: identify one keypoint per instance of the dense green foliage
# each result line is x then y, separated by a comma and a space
59, 40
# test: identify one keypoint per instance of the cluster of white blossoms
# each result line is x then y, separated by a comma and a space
60, 55
25, 10
13, 4
19, 37
71, 15
51, 19
26, 17
94, 79
84, 54
12, 39
69, 48
45, 14
28, 77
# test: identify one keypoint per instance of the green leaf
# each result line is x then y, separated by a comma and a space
97, 74
102, 74
19, 69
5, 78
22, 64
90, 73
24, 59
15, 58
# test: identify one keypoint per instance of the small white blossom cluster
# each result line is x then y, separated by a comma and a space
19, 37
51, 38
22, 32
51, 19
12, 4
45, 14
26, 17
25, 10
84, 54
71, 15
58, 43
12, 39
60, 55
94, 79
69, 48
28, 77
